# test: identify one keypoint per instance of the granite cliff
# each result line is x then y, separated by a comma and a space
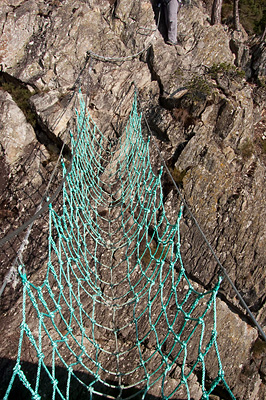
205, 102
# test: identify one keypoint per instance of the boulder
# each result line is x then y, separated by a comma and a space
16, 133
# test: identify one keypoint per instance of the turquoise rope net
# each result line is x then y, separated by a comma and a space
115, 314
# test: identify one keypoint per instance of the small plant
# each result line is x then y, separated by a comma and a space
178, 72
178, 175
226, 69
247, 148
259, 349
154, 253
262, 81
198, 88
220, 68
21, 96
262, 144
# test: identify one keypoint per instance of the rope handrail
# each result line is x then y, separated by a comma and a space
45, 200
130, 56
107, 276
89, 55
95, 292
221, 267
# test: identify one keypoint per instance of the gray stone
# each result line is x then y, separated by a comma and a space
206, 133
259, 60
16, 133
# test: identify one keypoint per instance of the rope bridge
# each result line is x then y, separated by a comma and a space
115, 315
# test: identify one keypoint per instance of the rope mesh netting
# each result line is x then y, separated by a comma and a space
116, 315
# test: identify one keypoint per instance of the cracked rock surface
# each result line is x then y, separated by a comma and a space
206, 118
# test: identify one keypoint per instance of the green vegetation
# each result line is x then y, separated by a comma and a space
178, 72
263, 146
247, 149
178, 175
227, 69
259, 349
154, 253
21, 95
262, 81
198, 88
252, 14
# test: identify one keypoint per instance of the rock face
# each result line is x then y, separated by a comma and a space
207, 119
259, 60
17, 134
